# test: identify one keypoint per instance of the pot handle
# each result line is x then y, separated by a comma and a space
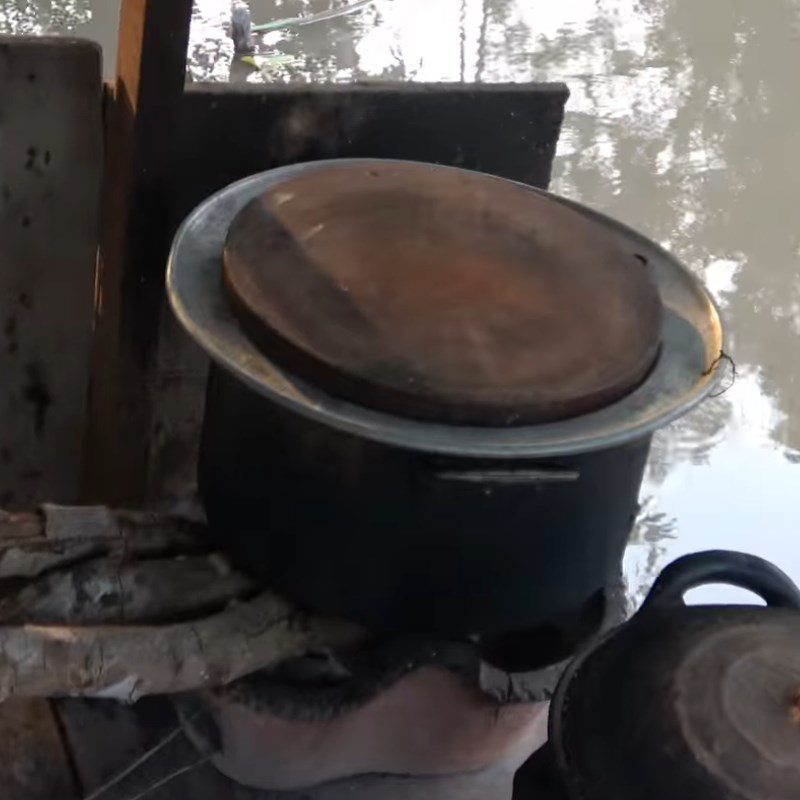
722, 566
510, 477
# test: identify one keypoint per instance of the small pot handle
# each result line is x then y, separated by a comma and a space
722, 566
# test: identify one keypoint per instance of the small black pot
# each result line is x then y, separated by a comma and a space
697, 702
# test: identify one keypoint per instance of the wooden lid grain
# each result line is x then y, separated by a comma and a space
441, 294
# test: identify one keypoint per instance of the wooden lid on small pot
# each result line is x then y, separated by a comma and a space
698, 703
441, 294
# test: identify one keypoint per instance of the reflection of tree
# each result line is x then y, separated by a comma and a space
640, 124
652, 530
330, 45
702, 120
210, 47
42, 16
760, 192
692, 438
710, 140
19, 16
714, 156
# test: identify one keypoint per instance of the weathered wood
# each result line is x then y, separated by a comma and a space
80, 631
22, 526
226, 133
60, 536
134, 241
111, 591
128, 662
34, 765
50, 163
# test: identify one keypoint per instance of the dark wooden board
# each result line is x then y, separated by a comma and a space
50, 162
34, 763
441, 294
227, 133
168, 151
105, 738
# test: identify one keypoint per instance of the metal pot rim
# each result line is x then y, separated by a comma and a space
686, 372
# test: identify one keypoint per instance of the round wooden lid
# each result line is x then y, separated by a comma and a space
738, 703
701, 702
441, 294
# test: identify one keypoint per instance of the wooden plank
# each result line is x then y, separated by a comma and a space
106, 738
34, 765
50, 162
507, 130
135, 237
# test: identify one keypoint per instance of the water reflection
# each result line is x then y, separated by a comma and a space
695, 148
92, 19
43, 16
683, 122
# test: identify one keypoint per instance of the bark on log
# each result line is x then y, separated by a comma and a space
127, 662
32, 544
84, 568
106, 591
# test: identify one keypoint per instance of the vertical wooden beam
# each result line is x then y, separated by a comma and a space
134, 242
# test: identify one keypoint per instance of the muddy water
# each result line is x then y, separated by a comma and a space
684, 122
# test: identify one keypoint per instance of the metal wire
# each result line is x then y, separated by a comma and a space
169, 778
120, 776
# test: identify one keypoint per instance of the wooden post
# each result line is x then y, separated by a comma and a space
50, 166
134, 242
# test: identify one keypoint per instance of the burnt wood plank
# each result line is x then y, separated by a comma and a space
50, 163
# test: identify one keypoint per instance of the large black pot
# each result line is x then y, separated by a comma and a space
402, 538
411, 524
